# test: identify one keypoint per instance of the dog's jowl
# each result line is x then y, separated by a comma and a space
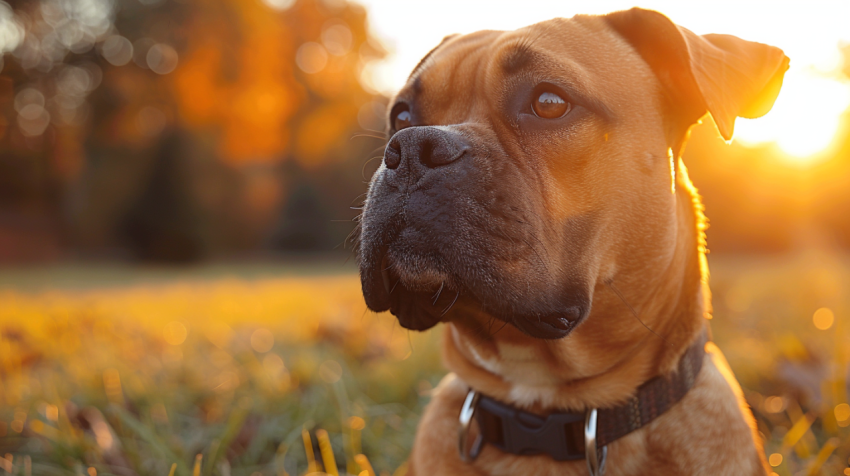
532, 200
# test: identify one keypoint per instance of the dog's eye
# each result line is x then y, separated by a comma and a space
548, 105
401, 117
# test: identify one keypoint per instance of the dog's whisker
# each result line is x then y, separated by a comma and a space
366, 164
534, 250
377, 149
480, 330
355, 233
357, 198
505, 323
610, 284
353, 239
437, 297
534, 237
446, 310
368, 135
505, 236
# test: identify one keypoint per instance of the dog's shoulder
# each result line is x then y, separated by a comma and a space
435, 449
715, 420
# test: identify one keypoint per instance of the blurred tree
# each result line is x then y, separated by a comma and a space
275, 84
98, 91
304, 221
163, 222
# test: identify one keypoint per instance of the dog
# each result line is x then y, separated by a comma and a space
532, 198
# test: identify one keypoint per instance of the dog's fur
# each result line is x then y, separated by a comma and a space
551, 247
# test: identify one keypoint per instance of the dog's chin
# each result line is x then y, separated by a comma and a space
421, 301
422, 310
555, 326
417, 310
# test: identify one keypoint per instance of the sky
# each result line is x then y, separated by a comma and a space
803, 121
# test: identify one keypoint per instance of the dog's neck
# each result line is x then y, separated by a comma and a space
547, 376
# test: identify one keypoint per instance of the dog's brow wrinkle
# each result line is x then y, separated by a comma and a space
517, 58
521, 54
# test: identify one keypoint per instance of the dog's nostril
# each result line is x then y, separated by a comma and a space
392, 155
426, 154
429, 146
433, 157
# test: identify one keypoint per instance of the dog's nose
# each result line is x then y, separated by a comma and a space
429, 145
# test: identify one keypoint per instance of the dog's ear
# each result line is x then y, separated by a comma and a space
719, 74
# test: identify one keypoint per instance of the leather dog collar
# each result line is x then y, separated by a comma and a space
562, 435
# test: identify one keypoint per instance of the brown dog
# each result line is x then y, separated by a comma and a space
532, 198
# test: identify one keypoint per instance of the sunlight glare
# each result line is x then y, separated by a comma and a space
805, 118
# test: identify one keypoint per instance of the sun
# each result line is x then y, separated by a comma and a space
805, 119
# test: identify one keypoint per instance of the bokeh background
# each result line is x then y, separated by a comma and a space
179, 179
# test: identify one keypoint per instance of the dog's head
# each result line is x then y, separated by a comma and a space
525, 168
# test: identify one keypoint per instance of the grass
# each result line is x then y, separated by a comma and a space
234, 371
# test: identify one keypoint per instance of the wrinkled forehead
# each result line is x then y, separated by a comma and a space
582, 53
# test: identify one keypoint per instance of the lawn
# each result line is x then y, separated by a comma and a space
265, 370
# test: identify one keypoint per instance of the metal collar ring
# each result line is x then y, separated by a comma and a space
595, 457
467, 412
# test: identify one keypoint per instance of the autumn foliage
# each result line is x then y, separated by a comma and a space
271, 86
187, 123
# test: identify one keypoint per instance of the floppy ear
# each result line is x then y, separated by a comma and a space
719, 74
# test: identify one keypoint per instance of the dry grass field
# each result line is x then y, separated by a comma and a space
249, 371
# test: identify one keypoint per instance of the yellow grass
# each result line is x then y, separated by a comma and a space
285, 376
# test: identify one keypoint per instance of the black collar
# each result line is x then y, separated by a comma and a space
561, 435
